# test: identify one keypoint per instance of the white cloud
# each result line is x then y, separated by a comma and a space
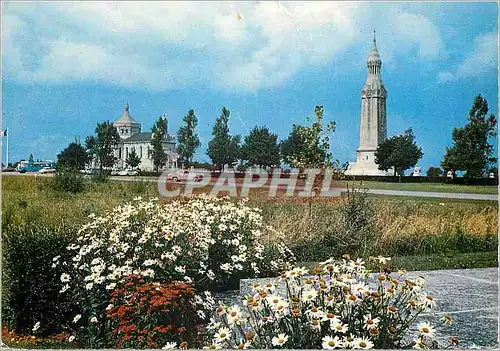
419, 30
482, 59
241, 46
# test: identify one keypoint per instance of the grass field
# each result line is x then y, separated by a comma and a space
398, 226
431, 262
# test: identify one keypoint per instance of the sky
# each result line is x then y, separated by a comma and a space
68, 65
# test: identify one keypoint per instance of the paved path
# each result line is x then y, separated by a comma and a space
469, 295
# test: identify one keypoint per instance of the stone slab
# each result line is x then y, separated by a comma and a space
469, 295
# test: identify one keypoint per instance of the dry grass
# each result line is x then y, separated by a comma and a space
30, 201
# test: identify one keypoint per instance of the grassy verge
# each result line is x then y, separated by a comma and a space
431, 200
434, 187
434, 262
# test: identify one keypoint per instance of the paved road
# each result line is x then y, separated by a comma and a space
432, 194
470, 296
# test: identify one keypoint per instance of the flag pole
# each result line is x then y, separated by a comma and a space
7, 149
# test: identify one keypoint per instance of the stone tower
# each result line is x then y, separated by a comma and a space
373, 126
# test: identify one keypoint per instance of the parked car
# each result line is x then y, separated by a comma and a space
126, 172
45, 170
184, 175
88, 171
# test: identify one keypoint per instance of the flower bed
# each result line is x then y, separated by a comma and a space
342, 306
205, 243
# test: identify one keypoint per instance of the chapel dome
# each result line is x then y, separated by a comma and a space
125, 118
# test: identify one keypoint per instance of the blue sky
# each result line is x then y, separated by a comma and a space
68, 65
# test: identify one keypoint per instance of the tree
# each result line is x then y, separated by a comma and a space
261, 148
308, 147
223, 149
159, 131
133, 159
101, 146
434, 172
31, 159
187, 139
399, 152
471, 151
74, 157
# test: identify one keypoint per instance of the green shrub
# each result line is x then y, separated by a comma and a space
30, 286
354, 232
68, 180
100, 177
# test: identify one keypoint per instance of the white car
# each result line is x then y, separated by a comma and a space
45, 170
127, 172
185, 175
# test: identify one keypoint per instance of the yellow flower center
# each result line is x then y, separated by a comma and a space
331, 343
362, 344
425, 330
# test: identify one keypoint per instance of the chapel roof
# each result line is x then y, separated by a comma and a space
146, 136
125, 118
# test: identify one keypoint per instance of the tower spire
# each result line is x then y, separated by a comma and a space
374, 40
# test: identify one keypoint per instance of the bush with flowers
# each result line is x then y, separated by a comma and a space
341, 306
206, 242
148, 315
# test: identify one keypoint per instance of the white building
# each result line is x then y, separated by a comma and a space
133, 139
373, 126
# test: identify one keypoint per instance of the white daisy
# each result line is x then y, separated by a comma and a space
223, 334
370, 322
279, 340
362, 343
170, 346
331, 343
65, 278
309, 295
426, 329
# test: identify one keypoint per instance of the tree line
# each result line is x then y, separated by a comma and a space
307, 146
471, 151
